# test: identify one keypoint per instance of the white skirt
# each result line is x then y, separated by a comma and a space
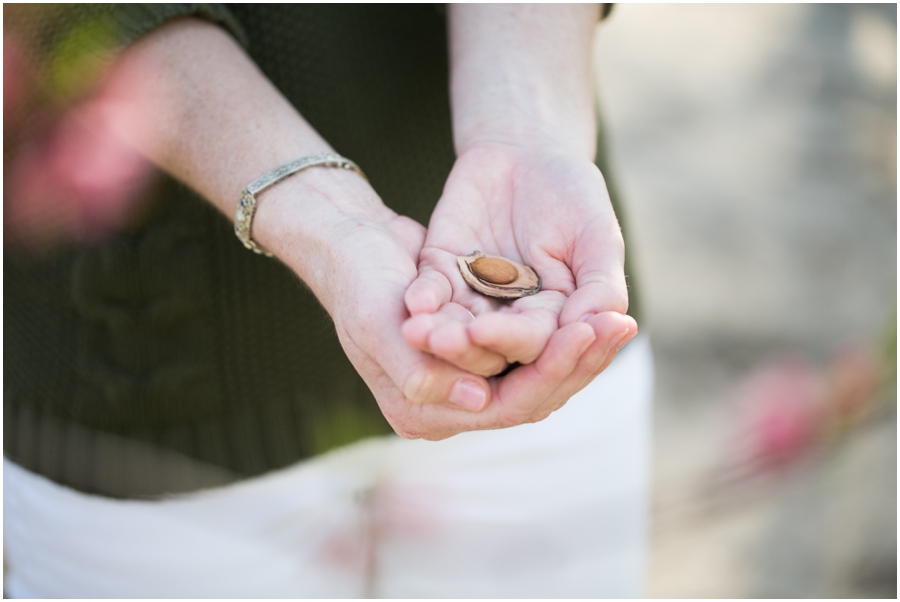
557, 509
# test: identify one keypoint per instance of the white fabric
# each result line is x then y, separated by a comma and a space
556, 509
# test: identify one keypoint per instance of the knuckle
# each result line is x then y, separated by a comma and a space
449, 351
420, 385
529, 358
499, 368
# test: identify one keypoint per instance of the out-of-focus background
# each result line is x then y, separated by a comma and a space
755, 146
756, 150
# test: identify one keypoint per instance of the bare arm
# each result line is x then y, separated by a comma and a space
212, 120
521, 73
524, 186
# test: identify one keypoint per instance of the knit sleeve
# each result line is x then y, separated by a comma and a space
607, 8
134, 20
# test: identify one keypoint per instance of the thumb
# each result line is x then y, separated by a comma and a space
594, 297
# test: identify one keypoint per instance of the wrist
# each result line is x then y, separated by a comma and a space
578, 139
503, 154
303, 219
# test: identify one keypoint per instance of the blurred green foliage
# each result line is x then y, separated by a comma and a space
80, 58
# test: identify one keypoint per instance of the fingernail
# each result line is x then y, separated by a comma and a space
622, 341
468, 396
586, 317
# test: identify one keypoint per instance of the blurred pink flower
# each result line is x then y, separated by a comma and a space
76, 182
74, 173
783, 406
788, 405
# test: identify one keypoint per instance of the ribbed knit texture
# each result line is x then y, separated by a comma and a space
169, 358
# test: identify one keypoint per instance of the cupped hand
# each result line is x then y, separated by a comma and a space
359, 258
551, 211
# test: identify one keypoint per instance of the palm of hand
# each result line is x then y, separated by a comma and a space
545, 210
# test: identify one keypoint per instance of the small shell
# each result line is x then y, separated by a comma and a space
497, 276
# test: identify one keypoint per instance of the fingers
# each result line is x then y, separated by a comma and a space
517, 395
597, 263
613, 331
428, 292
573, 356
559, 361
451, 343
444, 335
419, 377
516, 337
430, 381
594, 297
486, 343
418, 329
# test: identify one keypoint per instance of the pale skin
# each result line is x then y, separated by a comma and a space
523, 186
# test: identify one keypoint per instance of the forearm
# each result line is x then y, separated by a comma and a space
211, 119
521, 73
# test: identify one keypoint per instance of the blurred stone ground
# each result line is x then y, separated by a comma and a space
755, 146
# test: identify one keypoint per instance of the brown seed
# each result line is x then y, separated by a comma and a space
500, 286
495, 270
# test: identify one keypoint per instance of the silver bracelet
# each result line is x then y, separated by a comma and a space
246, 209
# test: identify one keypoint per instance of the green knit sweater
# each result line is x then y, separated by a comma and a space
168, 358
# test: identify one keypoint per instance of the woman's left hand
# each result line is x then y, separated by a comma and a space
549, 210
